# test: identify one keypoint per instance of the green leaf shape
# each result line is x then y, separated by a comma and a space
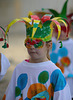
5, 45
44, 31
40, 32
64, 10
17, 91
29, 31
54, 12
61, 44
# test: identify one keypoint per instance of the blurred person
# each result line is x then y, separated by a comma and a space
4, 65
63, 56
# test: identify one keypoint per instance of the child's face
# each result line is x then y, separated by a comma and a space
37, 49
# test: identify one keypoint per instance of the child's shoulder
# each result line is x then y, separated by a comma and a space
55, 70
53, 67
20, 66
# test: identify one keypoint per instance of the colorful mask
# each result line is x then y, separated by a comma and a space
37, 28
37, 43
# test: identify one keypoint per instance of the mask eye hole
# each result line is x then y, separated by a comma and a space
36, 45
28, 43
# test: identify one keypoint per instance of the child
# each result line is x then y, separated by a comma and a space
63, 57
4, 65
38, 78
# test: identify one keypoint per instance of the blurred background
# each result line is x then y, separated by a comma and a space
11, 9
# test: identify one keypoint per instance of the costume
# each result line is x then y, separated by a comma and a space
30, 79
5, 64
37, 81
63, 58
37, 28
68, 18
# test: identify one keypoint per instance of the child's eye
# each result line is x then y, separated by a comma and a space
28, 43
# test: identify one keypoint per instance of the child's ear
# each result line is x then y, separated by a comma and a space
49, 45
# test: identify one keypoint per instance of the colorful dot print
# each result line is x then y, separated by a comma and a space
70, 75
26, 98
17, 91
53, 46
21, 98
41, 96
54, 57
35, 89
50, 91
65, 61
63, 52
22, 81
60, 58
58, 80
43, 77
21, 84
4, 97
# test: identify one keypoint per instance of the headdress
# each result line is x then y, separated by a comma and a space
63, 14
37, 28
2, 35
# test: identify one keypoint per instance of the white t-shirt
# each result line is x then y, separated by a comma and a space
5, 64
64, 56
30, 79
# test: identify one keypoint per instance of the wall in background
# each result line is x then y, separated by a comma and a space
10, 9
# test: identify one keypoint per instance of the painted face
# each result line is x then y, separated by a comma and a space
37, 49
37, 43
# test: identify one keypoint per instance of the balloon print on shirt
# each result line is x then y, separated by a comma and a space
65, 61
51, 91
26, 98
21, 84
63, 54
54, 57
34, 89
43, 77
57, 83
53, 46
57, 80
